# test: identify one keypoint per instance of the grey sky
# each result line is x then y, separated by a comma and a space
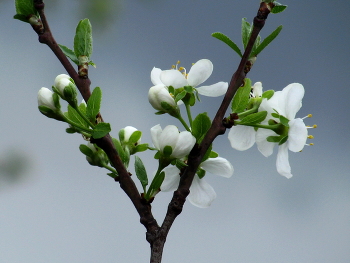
64, 210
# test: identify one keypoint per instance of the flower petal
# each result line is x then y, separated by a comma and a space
155, 133
297, 135
155, 76
157, 94
293, 99
173, 78
171, 179
183, 145
201, 193
265, 147
257, 89
282, 162
214, 90
128, 131
218, 166
241, 137
200, 72
169, 137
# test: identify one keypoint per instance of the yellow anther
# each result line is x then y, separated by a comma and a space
173, 66
314, 126
310, 137
178, 62
181, 68
311, 144
309, 115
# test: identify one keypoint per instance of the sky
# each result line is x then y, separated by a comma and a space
58, 208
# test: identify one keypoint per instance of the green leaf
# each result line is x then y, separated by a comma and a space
213, 154
70, 130
200, 173
267, 40
24, 8
273, 139
74, 116
124, 156
254, 118
69, 53
135, 136
86, 150
267, 94
284, 121
141, 172
83, 39
167, 151
283, 140
155, 185
246, 28
141, 147
278, 8
180, 96
241, 98
101, 130
20, 17
94, 104
228, 42
200, 126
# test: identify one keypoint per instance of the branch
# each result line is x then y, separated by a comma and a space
217, 128
105, 143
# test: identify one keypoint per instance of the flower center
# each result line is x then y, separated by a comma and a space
181, 69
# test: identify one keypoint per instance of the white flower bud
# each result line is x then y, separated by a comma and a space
158, 94
45, 98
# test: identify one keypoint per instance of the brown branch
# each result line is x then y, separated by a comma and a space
105, 143
198, 152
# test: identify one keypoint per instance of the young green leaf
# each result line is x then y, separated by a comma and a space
124, 156
24, 8
94, 104
246, 28
85, 150
155, 185
228, 42
278, 8
75, 117
254, 118
200, 126
69, 53
241, 98
135, 136
267, 41
267, 94
101, 130
83, 39
141, 172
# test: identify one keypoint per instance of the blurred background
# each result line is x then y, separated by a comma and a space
55, 207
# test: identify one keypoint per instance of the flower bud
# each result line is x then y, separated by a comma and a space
49, 105
158, 94
45, 98
66, 89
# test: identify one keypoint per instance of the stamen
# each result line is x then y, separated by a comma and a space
310, 137
307, 116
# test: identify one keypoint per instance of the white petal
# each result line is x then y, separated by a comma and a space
171, 179
155, 76
200, 72
128, 131
157, 94
293, 99
257, 89
265, 147
201, 193
45, 98
218, 166
214, 90
241, 137
184, 144
173, 78
282, 162
297, 135
155, 133
168, 137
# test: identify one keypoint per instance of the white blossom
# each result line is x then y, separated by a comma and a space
180, 142
45, 98
201, 194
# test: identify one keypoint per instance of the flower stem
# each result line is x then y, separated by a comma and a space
183, 123
189, 115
